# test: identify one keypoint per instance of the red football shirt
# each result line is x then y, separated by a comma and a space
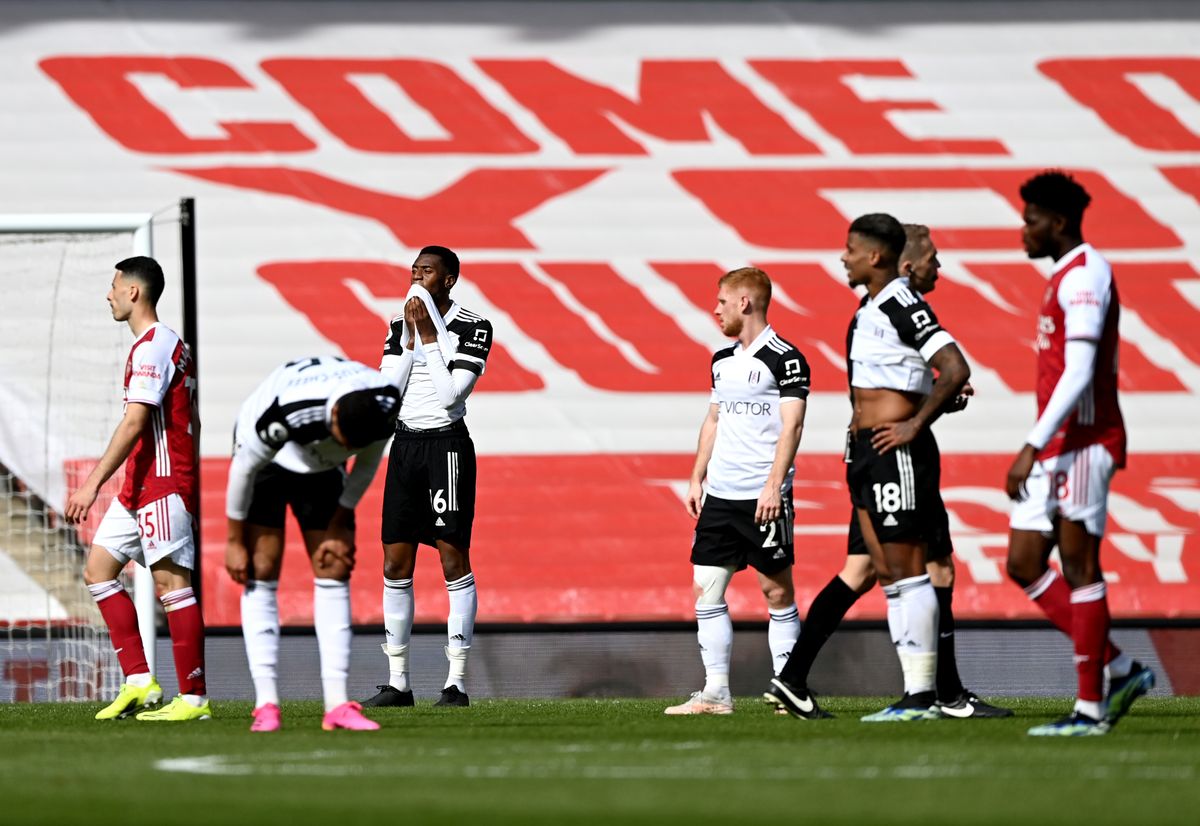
1081, 302
160, 373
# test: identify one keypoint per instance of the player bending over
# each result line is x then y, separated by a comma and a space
435, 352
789, 690
740, 491
293, 437
150, 522
1060, 478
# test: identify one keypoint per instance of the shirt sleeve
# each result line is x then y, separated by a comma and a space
793, 376
393, 345
1083, 295
250, 455
366, 462
474, 345
151, 371
918, 326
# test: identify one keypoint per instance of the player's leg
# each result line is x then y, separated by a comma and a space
169, 547
912, 623
260, 613
405, 522
115, 543
173, 581
399, 563
783, 623
717, 552
826, 612
264, 537
771, 552
1029, 567
460, 623
954, 700
896, 497
1080, 487
449, 498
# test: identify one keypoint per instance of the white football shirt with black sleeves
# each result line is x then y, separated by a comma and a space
286, 419
748, 386
892, 338
420, 407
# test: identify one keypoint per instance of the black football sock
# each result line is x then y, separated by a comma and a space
824, 616
949, 685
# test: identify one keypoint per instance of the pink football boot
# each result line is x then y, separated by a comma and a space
348, 716
266, 718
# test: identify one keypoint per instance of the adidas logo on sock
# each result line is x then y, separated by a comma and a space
196, 672
890, 521
440, 523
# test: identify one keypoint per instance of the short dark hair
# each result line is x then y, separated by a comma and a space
367, 416
449, 258
146, 270
1057, 191
884, 229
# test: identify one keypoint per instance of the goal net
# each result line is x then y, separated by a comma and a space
62, 359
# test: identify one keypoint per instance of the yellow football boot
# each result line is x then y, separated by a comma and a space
130, 699
178, 710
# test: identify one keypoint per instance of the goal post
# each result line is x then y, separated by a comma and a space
61, 372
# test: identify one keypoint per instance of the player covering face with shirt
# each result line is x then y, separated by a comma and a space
434, 354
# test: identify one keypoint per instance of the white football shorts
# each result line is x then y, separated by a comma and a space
1073, 485
155, 531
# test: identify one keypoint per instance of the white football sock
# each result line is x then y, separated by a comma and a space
397, 626
458, 667
331, 616
460, 627
260, 630
917, 644
1090, 708
1119, 666
714, 631
783, 630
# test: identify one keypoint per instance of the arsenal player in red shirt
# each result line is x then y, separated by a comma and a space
150, 522
1060, 478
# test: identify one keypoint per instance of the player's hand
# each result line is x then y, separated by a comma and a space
893, 435
337, 548
420, 320
1014, 485
79, 504
237, 562
770, 505
960, 401
694, 499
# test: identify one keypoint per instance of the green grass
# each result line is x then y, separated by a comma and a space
596, 761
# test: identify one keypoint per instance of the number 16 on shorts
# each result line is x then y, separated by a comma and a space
445, 499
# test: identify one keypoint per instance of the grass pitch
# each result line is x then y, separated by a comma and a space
596, 761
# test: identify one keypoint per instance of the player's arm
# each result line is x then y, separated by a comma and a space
704, 451
770, 501
919, 328
397, 359
339, 535
1083, 295
126, 435
1079, 367
453, 374
251, 453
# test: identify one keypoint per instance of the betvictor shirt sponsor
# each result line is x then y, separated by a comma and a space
748, 386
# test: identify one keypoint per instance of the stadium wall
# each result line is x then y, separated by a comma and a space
597, 166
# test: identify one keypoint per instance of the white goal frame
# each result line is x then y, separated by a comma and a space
140, 225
